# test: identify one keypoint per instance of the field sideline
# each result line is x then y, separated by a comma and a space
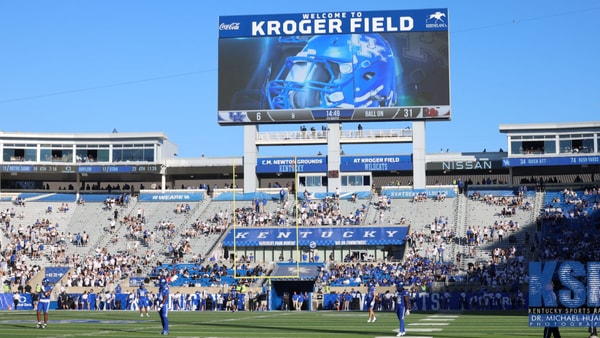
21, 324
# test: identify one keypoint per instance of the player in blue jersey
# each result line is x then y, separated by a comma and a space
402, 307
163, 305
371, 297
43, 303
143, 301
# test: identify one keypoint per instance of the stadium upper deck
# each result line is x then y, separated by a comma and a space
567, 152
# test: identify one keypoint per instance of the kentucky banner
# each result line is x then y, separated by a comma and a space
319, 236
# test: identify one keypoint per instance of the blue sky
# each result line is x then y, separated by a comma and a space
151, 66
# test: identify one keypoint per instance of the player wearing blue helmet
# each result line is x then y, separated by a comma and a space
43, 303
143, 301
371, 298
337, 71
402, 307
163, 304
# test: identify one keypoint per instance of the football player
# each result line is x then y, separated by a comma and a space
43, 303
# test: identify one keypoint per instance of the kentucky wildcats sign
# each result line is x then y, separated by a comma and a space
291, 164
376, 163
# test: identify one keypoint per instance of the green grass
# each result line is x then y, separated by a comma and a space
272, 324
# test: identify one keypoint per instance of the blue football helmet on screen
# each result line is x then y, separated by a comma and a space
162, 282
45, 282
336, 71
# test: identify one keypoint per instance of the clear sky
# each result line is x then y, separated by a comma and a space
151, 66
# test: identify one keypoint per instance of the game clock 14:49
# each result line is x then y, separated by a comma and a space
332, 114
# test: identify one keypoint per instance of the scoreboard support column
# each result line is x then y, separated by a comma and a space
419, 181
333, 156
250, 158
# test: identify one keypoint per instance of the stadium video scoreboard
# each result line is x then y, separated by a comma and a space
335, 66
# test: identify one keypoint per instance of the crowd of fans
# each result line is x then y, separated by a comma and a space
425, 262
569, 224
22, 245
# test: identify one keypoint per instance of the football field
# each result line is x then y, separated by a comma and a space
20, 324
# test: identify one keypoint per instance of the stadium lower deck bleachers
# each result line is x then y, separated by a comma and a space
203, 274
186, 244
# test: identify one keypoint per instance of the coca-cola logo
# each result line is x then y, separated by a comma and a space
234, 26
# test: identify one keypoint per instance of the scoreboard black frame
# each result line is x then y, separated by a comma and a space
333, 115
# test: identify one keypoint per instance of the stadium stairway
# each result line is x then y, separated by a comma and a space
420, 215
103, 237
177, 236
482, 214
371, 214
349, 208
459, 243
